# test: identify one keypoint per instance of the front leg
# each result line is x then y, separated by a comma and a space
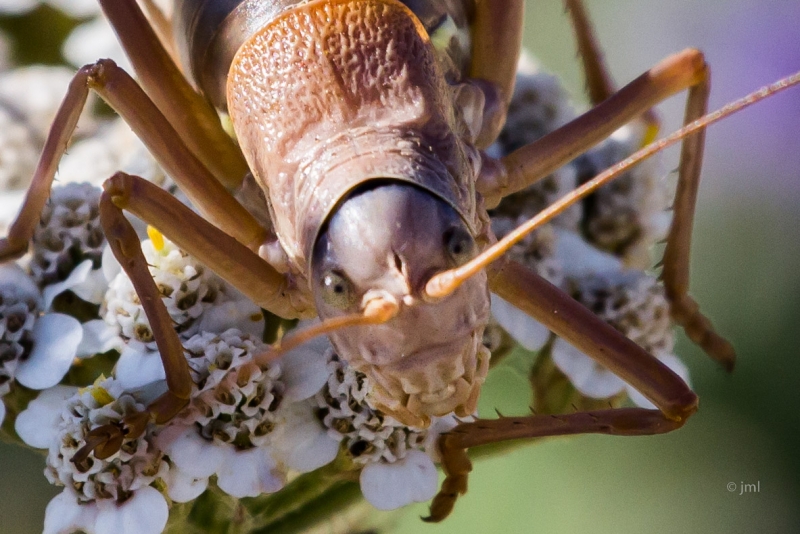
220, 252
123, 94
496, 44
227, 257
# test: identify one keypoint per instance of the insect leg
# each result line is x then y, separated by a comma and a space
231, 260
22, 229
105, 440
117, 88
162, 26
496, 44
195, 120
580, 327
676, 256
457, 465
529, 163
675, 273
570, 320
127, 249
599, 83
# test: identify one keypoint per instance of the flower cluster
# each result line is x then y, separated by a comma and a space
397, 459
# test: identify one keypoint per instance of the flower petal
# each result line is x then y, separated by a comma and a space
182, 487
144, 513
185, 449
37, 425
526, 330
588, 377
93, 288
91, 40
302, 443
64, 515
12, 275
249, 473
78, 276
390, 486
77, 9
241, 314
579, 258
305, 369
55, 342
98, 337
138, 366
109, 264
671, 361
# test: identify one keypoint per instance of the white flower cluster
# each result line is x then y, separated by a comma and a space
68, 233
633, 303
398, 460
36, 349
595, 249
250, 425
100, 489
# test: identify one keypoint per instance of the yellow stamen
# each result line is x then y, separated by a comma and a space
156, 237
97, 392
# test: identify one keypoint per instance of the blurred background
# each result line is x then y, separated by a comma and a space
744, 273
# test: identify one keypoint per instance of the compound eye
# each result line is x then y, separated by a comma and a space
460, 245
337, 290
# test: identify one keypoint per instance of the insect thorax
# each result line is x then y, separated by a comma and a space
212, 31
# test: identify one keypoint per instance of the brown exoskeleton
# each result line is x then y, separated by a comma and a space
366, 141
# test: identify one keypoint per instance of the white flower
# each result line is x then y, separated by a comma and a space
187, 287
86, 282
388, 486
398, 460
250, 425
634, 304
10, 203
31, 96
565, 256
68, 233
55, 344
14, 7
77, 8
145, 512
300, 441
101, 495
525, 330
93, 40
197, 300
36, 351
37, 425
630, 214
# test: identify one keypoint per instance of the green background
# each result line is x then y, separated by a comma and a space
744, 267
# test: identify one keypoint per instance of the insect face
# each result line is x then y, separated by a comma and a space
386, 242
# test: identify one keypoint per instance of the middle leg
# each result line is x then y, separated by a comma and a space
529, 163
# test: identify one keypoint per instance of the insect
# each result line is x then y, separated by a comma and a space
363, 168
